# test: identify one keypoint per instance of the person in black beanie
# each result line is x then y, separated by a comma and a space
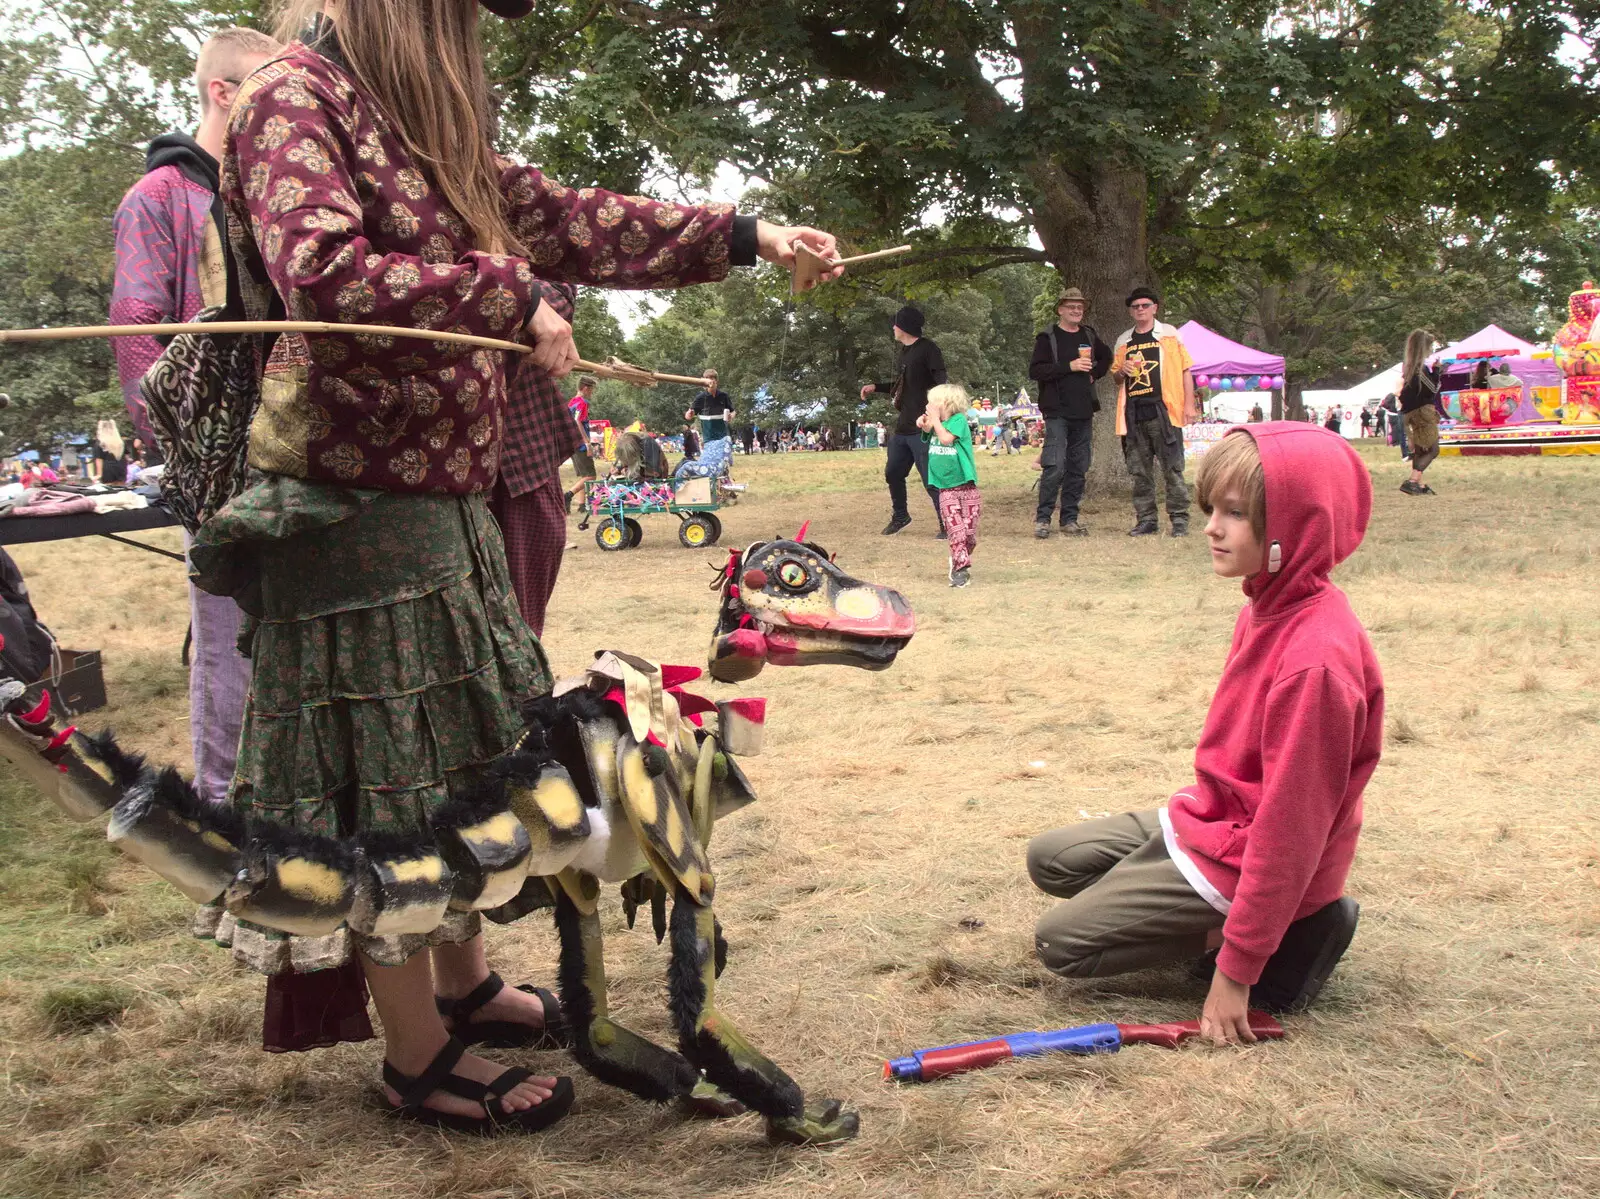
1067, 359
920, 369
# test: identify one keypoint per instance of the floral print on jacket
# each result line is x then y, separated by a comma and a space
326, 206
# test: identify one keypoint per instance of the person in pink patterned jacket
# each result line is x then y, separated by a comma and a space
362, 188
169, 266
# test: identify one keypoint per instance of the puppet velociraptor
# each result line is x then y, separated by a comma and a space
618, 779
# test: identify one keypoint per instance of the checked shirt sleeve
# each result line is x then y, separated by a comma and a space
296, 154
589, 235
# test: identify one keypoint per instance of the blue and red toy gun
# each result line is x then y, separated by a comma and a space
925, 1065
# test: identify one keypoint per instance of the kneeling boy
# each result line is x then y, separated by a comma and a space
1250, 859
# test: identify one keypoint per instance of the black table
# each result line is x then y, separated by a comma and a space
26, 530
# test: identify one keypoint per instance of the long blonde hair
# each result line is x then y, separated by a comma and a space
109, 437
421, 60
1418, 343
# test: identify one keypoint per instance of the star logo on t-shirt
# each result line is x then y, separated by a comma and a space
1139, 372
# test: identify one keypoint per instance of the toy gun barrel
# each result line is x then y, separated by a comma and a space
926, 1065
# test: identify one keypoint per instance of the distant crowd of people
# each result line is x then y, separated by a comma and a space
111, 461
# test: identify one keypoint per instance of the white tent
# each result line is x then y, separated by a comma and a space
1371, 391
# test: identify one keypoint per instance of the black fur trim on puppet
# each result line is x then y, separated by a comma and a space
566, 747
583, 705
389, 846
174, 791
577, 1006
776, 1098
125, 766
269, 839
540, 712
482, 802
548, 711
721, 949
521, 767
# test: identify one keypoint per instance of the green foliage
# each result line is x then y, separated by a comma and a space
56, 269
106, 71
781, 357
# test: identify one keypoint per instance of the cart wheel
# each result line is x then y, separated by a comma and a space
697, 531
612, 534
635, 530
716, 526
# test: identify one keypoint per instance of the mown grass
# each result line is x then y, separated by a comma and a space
876, 900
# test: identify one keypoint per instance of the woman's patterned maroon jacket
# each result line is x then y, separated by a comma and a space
325, 205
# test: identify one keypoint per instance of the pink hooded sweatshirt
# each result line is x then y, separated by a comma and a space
1296, 726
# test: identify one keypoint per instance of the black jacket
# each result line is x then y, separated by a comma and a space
920, 370
1066, 394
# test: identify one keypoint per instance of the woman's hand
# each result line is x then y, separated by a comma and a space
1226, 1017
776, 244
554, 351
868, 389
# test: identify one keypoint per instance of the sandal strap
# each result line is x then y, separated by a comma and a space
414, 1090
459, 1011
555, 1017
490, 1094
503, 1086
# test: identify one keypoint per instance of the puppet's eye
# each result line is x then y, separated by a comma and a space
793, 575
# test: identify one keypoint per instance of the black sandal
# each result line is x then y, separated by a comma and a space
505, 1034
437, 1077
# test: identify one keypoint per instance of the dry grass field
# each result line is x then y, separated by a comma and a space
876, 899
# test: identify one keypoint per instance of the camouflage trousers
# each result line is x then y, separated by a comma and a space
1147, 451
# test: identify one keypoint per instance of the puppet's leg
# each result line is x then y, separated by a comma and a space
710, 1040
610, 1052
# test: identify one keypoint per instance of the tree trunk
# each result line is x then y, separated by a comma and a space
1105, 257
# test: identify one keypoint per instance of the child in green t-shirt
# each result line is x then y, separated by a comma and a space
954, 473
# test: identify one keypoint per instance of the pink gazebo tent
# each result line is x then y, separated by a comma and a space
1491, 339
1515, 353
1214, 354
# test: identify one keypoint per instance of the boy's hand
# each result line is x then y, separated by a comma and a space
1226, 1018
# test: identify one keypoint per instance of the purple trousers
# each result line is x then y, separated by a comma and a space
219, 680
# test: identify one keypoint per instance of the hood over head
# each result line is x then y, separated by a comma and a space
182, 151
1319, 500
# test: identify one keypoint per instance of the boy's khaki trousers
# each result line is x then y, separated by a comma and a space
1127, 906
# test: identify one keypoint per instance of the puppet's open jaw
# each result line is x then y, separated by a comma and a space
741, 654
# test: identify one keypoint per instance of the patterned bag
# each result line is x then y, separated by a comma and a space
203, 391
201, 395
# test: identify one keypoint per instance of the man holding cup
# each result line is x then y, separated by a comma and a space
1067, 359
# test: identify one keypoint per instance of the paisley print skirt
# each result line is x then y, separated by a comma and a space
389, 662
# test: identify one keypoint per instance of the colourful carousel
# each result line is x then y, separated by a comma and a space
1550, 410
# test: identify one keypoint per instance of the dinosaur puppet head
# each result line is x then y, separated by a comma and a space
786, 603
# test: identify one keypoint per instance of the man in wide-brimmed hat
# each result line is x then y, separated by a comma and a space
1067, 359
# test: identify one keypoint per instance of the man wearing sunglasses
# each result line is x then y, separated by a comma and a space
1155, 399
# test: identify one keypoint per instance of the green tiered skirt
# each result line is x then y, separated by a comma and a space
389, 662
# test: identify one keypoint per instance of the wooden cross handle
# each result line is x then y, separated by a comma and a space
638, 376
810, 267
869, 257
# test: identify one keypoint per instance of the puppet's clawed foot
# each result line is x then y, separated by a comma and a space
710, 1102
623, 1058
820, 1124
